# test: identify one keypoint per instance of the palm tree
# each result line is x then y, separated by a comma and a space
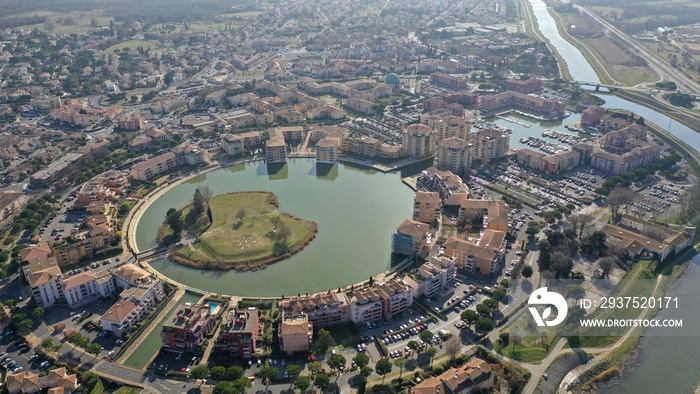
400, 362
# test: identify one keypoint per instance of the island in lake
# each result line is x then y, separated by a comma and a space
240, 230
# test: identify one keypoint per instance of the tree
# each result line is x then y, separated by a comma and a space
597, 240
470, 316
218, 372
561, 265
337, 362
491, 304
361, 359
414, 346
292, 371
315, 366
526, 272
383, 367
49, 26
25, 326
207, 193
173, 218
498, 294
240, 215
606, 265
266, 374
400, 362
485, 324
365, 372
199, 203
426, 336
94, 349
224, 388
322, 381
483, 310
199, 372
431, 353
453, 346
242, 384
324, 341
579, 222
234, 373
39, 311
302, 383
618, 197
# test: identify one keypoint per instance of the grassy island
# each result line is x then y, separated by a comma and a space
241, 230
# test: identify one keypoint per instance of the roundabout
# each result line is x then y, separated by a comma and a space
356, 210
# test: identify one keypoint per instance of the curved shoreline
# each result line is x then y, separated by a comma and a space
133, 218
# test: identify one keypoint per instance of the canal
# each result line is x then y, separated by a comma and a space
140, 358
356, 209
667, 364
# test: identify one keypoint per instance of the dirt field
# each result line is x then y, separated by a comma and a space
611, 52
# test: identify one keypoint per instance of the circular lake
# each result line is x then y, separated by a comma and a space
356, 210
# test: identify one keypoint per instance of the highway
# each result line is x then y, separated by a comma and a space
684, 83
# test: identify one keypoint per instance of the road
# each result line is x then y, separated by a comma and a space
684, 82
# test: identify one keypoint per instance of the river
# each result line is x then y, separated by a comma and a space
356, 210
667, 364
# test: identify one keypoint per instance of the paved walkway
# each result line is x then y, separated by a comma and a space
155, 324
539, 370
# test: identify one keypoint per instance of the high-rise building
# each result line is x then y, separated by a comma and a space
419, 141
491, 144
454, 154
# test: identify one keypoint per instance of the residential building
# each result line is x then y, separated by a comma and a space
232, 144
630, 161
427, 207
530, 159
472, 257
121, 317
10, 202
474, 376
276, 147
295, 333
491, 144
239, 332
433, 276
366, 305
151, 168
455, 155
359, 105
131, 122
448, 80
324, 310
591, 116
492, 214
56, 381
565, 160
419, 141
81, 289
396, 295
526, 86
187, 327
46, 285
637, 237
328, 149
38, 257
549, 108
140, 143
451, 188
410, 238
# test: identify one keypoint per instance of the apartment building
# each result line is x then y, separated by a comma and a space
630, 161
410, 238
232, 144
454, 155
37, 257
328, 149
448, 80
121, 317
492, 214
295, 333
472, 257
276, 147
591, 116
451, 188
630, 235
84, 288
491, 144
363, 147
130, 122
140, 143
187, 327
433, 276
151, 168
419, 141
324, 310
427, 207
56, 381
366, 305
546, 107
474, 376
46, 285
526, 86
396, 295
359, 105
239, 332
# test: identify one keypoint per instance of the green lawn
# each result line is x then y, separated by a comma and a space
128, 390
346, 335
531, 349
250, 239
132, 45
